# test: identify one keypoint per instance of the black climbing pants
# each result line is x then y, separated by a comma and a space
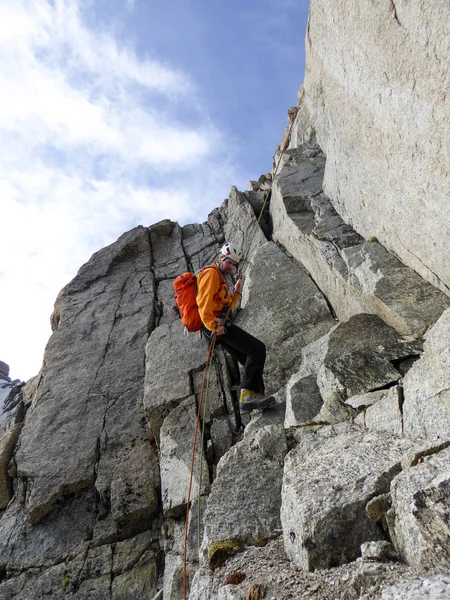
247, 350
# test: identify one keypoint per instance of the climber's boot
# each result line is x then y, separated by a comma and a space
253, 401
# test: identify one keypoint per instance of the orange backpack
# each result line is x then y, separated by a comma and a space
185, 287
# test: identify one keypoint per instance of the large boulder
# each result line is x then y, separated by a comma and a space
329, 477
418, 520
426, 408
355, 357
244, 504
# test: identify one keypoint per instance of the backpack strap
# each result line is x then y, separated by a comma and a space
222, 278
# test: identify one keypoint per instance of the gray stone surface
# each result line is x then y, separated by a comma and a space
283, 308
217, 384
360, 401
204, 587
135, 488
202, 242
381, 550
10, 428
326, 488
193, 540
352, 374
426, 408
169, 351
59, 454
77, 456
221, 436
240, 224
127, 570
353, 358
418, 520
164, 309
168, 257
386, 414
177, 438
173, 576
245, 499
355, 276
427, 588
373, 97
303, 400
23, 545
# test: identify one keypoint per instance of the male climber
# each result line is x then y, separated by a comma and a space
216, 293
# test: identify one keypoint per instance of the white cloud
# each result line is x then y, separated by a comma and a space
92, 145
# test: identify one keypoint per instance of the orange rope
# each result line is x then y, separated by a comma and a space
188, 501
283, 149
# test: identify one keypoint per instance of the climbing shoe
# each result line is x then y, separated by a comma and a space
252, 401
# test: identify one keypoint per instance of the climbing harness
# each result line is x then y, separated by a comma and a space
205, 382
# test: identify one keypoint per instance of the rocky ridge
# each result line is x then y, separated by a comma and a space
340, 491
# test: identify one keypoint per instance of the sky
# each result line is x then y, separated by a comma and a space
118, 113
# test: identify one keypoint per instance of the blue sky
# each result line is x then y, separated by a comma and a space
115, 113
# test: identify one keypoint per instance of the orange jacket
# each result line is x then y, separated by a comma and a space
213, 296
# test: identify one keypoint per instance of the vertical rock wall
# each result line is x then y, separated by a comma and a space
104, 453
96, 453
375, 97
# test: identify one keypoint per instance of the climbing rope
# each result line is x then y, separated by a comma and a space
269, 190
205, 380
206, 376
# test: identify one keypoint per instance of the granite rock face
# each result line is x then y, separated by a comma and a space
386, 413
427, 388
245, 499
428, 588
325, 491
109, 424
345, 281
355, 275
354, 358
177, 435
286, 311
374, 98
58, 455
418, 520
86, 418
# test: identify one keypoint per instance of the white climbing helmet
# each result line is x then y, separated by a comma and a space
231, 250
